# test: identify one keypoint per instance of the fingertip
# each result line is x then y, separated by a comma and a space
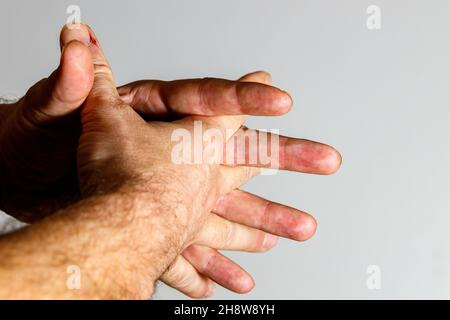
269, 242
246, 284
205, 291
284, 103
305, 228
78, 31
210, 290
332, 161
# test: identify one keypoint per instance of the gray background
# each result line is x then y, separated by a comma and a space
381, 97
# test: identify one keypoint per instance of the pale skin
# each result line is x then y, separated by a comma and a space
124, 215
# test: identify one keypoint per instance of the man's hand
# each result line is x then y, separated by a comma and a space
118, 150
39, 134
124, 155
39, 137
151, 98
141, 208
249, 223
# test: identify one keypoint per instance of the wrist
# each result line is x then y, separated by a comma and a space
149, 220
145, 234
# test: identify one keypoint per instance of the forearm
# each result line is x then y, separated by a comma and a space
102, 237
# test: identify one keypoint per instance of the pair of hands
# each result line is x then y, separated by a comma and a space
74, 135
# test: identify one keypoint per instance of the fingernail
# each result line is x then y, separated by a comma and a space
78, 32
268, 77
211, 290
269, 241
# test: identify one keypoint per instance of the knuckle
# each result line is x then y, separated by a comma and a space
177, 275
211, 260
222, 232
227, 234
306, 229
97, 98
102, 69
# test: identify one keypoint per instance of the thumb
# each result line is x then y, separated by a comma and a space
104, 87
66, 88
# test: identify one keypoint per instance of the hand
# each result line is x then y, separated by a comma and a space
240, 221
39, 134
39, 137
118, 148
128, 225
134, 153
119, 151
182, 96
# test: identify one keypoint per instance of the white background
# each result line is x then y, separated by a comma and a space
380, 97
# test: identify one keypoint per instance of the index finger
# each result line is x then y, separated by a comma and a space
205, 97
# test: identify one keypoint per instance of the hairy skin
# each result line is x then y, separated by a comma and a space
132, 189
116, 148
108, 248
